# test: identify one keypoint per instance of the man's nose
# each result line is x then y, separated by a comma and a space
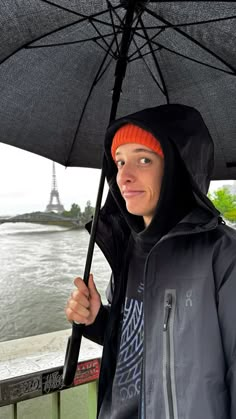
126, 175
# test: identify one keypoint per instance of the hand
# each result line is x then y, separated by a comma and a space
84, 303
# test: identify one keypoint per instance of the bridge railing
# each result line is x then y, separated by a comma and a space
41, 394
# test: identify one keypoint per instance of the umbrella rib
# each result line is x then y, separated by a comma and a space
146, 43
99, 33
143, 55
186, 57
84, 17
194, 41
95, 81
150, 72
94, 39
165, 92
182, 25
106, 50
103, 72
77, 13
110, 8
196, 61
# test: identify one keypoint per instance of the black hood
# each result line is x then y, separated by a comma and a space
189, 155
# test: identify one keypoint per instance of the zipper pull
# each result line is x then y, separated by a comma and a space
168, 307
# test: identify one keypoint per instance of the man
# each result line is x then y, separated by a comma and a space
168, 331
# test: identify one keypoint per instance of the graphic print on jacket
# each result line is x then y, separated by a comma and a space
128, 372
128, 377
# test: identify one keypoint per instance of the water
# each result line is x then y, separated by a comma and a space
37, 266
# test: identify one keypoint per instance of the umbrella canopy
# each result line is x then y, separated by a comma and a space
58, 63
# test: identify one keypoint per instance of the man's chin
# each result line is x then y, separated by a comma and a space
134, 211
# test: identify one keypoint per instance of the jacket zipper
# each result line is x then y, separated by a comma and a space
168, 355
168, 307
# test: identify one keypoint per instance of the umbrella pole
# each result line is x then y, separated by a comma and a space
74, 341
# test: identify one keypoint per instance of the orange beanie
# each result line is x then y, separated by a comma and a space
130, 133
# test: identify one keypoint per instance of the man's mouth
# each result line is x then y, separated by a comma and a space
132, 194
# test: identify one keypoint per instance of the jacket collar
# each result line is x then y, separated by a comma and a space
111, 227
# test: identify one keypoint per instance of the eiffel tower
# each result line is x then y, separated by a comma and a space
58, 207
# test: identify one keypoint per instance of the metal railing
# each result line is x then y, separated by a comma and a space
42, 395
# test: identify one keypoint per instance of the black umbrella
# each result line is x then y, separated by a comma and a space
58, 61
64, 63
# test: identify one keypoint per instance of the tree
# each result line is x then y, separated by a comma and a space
75, 211
83, 217
88, 212
225, 202
230, 215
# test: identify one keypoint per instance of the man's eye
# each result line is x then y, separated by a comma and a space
145, 160
119, 163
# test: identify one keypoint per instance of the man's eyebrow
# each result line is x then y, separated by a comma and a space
138, 150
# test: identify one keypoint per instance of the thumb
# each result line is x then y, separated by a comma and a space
92, 287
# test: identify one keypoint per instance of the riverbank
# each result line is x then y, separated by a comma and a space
44, 218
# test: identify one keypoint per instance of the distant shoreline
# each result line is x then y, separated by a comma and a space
43, 218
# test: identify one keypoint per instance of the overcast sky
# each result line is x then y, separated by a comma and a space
26, 181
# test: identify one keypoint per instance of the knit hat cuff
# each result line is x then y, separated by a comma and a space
130, 133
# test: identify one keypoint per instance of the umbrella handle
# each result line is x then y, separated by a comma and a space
72, 354
74, 342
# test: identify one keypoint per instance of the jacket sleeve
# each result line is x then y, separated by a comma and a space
227, 316
96, 331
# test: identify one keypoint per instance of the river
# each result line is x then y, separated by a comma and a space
37, 266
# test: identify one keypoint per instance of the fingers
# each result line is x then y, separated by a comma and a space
78, 305
79, 299
73, 316
78, 310
92, 287
82, 287
84, 303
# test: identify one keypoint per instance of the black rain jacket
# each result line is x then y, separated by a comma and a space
189, 285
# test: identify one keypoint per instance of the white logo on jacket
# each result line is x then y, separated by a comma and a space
188, 298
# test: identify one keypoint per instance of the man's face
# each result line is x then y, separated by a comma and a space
139, 179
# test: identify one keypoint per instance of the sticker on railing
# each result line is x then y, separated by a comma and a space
52, 381
87, 371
